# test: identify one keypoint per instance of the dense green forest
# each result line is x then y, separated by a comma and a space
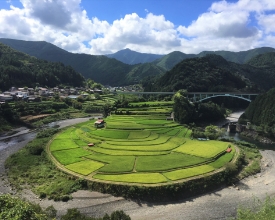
110, 71
261, 112
197, 75
132, 57
107, 71
170, 60
19, 69
239, 57
186, 112
214, 73
266, 60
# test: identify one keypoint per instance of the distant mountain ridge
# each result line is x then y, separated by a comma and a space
197, 74
110, 71
212, 73
100, 68
19, 69
132, 57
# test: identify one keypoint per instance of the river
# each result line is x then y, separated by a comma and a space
233, 117
219, 204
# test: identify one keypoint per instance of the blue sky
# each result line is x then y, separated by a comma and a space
180, 12
148, 26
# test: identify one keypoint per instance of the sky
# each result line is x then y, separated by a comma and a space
148, 26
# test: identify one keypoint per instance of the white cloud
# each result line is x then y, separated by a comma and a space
267, 22
231, 26
133, 31
223, 24
243, 5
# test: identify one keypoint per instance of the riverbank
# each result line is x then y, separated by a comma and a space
219, 204
256, 136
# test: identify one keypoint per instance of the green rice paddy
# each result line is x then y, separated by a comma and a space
137, 150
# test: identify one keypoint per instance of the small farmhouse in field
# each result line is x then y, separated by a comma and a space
99, 123
228, 150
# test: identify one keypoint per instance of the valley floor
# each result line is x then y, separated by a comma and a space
221, 204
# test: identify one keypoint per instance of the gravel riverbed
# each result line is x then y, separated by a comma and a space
220, 204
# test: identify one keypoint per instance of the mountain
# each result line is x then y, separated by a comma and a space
262, 77
258, 74
197, 75
132, 57
168, 61
139, 72
261, 111
254, 69
19, 69
263, 60
99, 68
239, 57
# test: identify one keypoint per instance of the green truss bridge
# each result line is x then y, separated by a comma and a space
200, 96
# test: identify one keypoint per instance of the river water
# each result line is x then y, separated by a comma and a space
220, 204
24, 134
233, 117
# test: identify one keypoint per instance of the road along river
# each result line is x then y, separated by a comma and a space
219, 204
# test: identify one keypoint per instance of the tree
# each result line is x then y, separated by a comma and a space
211, 129
16, 209
97, 96
183, 109
106, 109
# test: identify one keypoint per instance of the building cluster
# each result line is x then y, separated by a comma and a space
35, 94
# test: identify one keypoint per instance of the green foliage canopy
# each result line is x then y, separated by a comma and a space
19, 69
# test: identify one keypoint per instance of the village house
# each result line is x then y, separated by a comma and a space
5, 98
100, 123
22, 95
43, 91
31, 91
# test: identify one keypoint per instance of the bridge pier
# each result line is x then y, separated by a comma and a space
232, 127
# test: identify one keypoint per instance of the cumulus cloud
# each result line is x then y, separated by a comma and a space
223, 24
267, 22
133, 31
229, 26
49, 12
234, 26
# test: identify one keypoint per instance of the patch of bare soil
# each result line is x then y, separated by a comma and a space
29, 118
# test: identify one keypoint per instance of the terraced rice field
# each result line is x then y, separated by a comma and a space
136, 150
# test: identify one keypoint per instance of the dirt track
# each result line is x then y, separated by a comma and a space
220, 204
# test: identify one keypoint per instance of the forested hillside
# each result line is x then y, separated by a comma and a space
266, 60
19, 69
170, 60
261, 111
239, 57
132, 57
261, 77
197, 75
258, 72
141, 71
102, 69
